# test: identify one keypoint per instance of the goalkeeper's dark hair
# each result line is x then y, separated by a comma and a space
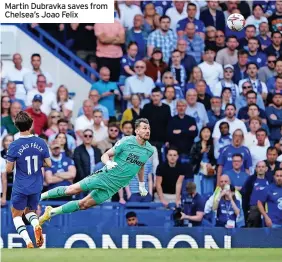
141, 120
23, 121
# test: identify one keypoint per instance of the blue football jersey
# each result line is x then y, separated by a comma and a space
28, 153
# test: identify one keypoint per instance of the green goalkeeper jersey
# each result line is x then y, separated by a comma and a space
130, 156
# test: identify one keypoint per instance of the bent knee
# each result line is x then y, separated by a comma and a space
85, 204
72, 190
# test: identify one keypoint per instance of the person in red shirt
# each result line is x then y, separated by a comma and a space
39, 118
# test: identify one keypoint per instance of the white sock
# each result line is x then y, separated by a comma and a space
21, 229
32, 219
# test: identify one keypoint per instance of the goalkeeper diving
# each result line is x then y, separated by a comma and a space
122, 162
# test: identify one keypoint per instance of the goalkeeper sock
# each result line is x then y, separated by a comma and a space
32, 219
54, 193
21, 229
69, 207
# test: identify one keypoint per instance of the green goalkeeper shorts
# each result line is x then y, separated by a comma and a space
100, 192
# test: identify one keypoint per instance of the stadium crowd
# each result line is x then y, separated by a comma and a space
213, 98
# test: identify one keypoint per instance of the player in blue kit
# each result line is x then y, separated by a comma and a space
26, 156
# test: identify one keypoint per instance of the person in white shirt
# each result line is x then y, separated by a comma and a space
3, 181
212, 71
127, 12
250, 138
31, 77
100, 130
230, 118
176, 13
258, 86
49, 98
85, 121
257, 17
16, 75
138, 84
258, 152
227, 82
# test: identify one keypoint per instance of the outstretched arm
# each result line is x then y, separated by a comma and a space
142, 189
106, 159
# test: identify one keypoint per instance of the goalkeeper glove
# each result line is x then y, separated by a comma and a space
110, 164
143, 191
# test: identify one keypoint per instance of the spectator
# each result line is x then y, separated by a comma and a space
258, 86
274, 116
253, 191
8, 121
62, 139
40, 121
132, 220
210, 36
195, 44
212, 71
273, 217
196, 109
158, 115
250, 31
187, 61
11, 92
274, 83
254, 125
191, 18
132, 114
203, 97
227, 208
212, 16
229, 54
177, 69
240, 68
64, 102
230, 118
225, 157
3, 182
107, 91
86, 157
49, 100
7, 140
85, 121
224, 140
95, 97
182, 130
109, 142
203, 162
62, 172
169, 99
273, 20
138, 84
231, 5
155, 66
272, 162
226, 97
127, 128
52, 123
219, 40
275, 48
139, 35
176, 13
255, 56
257, 17
149, 16
267, 71
5, 106
170, 176
128, 11
164, 38
110, 37
215, 113
169, 80
63, 128
100, 130
264, 39
195, 76
236, 175
16, 76
227, 82
30, 79
193, 206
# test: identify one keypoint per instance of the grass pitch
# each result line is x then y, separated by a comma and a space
144, 255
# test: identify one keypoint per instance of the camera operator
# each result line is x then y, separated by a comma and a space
227, 208
193, 206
